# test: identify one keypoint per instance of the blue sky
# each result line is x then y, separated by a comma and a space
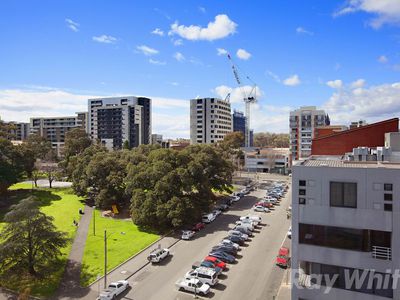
340, 55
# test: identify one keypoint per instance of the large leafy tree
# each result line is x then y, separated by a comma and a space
268, 139
12, 165
171, 188
29, 239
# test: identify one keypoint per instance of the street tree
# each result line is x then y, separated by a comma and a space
12, 165
29, 239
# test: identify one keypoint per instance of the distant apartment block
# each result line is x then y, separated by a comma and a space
302, 123
340, 142
55, 128
115, 120
157, 139
239, 124
19, 131
210, 120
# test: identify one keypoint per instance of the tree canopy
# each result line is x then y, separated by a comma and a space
29, 239
274, 140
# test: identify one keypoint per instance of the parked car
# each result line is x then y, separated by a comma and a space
235, 198
205, 275
247, 225
223, 207
237, 233
237, 194
198, 226
260, 208
208, 218
243, 229
113, 290
249, 221
282, 258
217, 262
225, 257
252, 217
193, 285
187, 234
265, 204
235, 239
157, 255
226, 249
289, 233
245, 191
216, 212
230, 243
207, 264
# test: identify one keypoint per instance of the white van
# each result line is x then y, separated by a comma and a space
208, 218
205, 275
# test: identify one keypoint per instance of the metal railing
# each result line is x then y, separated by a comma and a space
305, 280
382, 252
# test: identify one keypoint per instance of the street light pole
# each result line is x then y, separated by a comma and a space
105, 258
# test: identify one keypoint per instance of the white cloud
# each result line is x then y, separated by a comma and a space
373, 104
335, 84
157, 62
292, 80
178, 42
179, 56
358, 83
72, 25
158, 31
383, 59
273, 75
385, 11
106, 39
237, 94
147, 50
302, 30
243, 54
221, 51
220, 28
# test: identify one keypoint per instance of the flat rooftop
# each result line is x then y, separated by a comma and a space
338, 163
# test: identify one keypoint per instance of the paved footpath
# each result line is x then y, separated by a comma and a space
69, 286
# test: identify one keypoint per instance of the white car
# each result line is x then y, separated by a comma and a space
187, 234
216, 212
239, 234
235, 198
254, 218
229, 243
113, 290
193, 285
245, 224
289, 233
157, 255
260, 208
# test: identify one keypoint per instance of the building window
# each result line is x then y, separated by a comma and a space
302, 192
302, 183
388, 207
199, 101
302, 201
388, 197
343, 194
388, 187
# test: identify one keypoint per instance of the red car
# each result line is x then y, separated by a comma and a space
198, 226
265, 204
283, 258
217, 262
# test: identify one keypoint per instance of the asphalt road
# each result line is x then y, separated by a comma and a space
254, 276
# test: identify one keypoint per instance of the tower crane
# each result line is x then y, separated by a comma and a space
248, 98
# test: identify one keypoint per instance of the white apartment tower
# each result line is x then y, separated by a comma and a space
210, 120
346, 223
302, 123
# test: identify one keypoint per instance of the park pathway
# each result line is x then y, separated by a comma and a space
69, 286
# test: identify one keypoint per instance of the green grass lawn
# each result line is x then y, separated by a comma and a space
61, 204
120, 246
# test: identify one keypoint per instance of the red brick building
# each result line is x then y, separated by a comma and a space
338, 143
328, 130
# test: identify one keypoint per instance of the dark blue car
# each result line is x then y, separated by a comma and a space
225, 257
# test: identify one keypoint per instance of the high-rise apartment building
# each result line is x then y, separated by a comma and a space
346, 224
55, 128
302, 123
210, 120
18, 131
239, 124
116, 120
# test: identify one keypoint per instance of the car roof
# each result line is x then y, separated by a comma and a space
284, 251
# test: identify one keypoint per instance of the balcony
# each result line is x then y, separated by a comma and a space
381, 253
305, 280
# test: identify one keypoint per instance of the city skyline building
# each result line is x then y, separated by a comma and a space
210, 120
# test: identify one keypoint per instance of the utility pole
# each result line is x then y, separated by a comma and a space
105, 258
94, 220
